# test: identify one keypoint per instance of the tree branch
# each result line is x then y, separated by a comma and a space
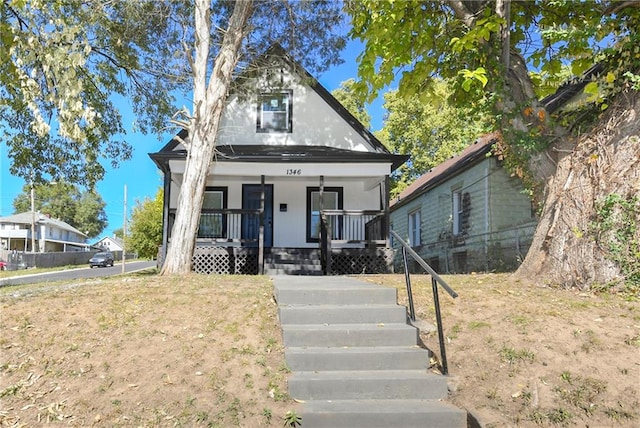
462, 12
617, 7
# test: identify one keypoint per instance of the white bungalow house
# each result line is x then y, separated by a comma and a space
51, 235
298, 186
466, 214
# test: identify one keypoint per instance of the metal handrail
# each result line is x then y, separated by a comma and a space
435, 280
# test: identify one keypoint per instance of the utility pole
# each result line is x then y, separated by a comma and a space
33, 220
124, 229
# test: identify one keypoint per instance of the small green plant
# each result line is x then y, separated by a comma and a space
615, 229
618, 414
202, 416
632, 341
268, 415
475, 325
292, 419
10, 390
275, 392
580, 392
591, 342
457, 328
559, 416
512, 356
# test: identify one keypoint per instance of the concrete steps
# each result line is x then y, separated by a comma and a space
355, 361
382, 414
292, 262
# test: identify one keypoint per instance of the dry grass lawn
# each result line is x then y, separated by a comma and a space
150, 351
520, 355
142, 351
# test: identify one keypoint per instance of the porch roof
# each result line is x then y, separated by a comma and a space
280, 154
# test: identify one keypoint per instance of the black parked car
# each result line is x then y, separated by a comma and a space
101, 259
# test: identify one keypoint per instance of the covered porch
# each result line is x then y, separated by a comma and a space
305, 215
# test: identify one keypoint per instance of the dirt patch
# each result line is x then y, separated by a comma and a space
207, 351
143, 351
523, 355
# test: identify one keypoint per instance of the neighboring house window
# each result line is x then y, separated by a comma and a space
213, 224
274, 112
414, 228
461, 207
332, 198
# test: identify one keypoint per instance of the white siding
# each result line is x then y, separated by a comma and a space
315, 123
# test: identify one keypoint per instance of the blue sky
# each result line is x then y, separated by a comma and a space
140, 175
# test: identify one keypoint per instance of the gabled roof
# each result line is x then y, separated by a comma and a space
570, 89
447, 169
119, 242
277, 51
27, 218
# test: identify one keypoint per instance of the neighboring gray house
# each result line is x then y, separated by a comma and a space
466, 214
51, 235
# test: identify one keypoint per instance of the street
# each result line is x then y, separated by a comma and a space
79, 273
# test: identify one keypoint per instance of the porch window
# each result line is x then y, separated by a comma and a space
213, 224
332, 197
274, 112
414, 228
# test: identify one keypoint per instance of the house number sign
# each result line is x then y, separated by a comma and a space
294, 171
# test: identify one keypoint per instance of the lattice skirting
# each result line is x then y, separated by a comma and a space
244, 261
353, 261
225, 260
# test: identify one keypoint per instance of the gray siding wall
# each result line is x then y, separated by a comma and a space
497, 222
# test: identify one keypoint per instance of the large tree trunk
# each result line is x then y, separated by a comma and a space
566, 250
208, 103
569, 247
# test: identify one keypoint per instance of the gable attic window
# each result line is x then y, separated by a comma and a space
274, 112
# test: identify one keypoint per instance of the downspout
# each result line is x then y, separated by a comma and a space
487, 211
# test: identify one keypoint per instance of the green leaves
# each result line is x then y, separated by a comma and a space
61, 63
429, 128
472, 76
145, 228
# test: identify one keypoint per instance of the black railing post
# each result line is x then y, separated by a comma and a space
412, 311
436, 303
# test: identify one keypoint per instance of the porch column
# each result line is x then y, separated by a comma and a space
321, 188
261, 230
325, 235
385, 207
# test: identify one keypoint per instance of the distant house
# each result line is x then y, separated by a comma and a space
298, 186
109, 243
51, 235
466, 214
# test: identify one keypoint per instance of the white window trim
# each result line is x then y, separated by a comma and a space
414, 223
288, 95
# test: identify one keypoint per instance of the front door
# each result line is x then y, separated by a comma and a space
251, 195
